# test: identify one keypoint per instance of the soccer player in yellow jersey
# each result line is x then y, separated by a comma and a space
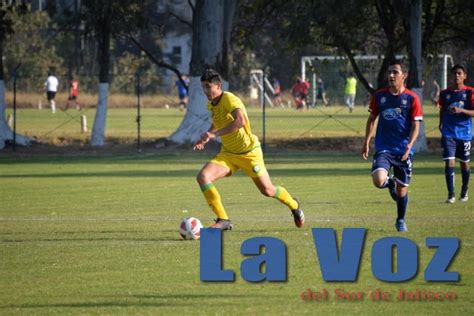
240, 150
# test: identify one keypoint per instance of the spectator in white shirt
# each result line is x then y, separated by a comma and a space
51, 87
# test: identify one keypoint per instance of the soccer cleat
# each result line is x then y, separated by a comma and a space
393, 190
222, 224
298, 215
401, 226
451, 198
464, 198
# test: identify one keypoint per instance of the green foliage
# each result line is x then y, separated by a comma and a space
127, 67
33, 44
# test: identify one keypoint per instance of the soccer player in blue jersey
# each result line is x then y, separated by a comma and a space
455, 123
399, 114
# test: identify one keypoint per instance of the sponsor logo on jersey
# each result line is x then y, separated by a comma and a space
453, 105
391, 114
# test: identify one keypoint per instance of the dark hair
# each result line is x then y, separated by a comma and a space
211, 75
459, 66
394, 62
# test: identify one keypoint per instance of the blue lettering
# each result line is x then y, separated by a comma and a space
382, 258
211, 257
447, 250
273, 260
335, 267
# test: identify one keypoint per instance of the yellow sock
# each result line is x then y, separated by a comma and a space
284, 197
213, 198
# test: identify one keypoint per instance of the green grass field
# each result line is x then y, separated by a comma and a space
334, 121
99, 234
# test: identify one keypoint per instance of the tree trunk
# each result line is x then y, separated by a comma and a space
212, 22
6, 134
98, 129
416, 66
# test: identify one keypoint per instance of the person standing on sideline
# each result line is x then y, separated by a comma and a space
277, 92
51, 87
240, 150
182, 92
299, 91
399, 115
321, 91
350, 91
435, 93
455, 124
73, 91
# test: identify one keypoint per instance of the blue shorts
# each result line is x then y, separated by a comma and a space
401, 169
456, 148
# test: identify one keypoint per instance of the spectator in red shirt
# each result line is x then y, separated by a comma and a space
299, 91
73, 89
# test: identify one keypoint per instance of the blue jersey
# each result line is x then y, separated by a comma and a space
182, 89
396, 115
456, 125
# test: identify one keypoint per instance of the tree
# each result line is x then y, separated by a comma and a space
7, 14
106, 19
212, 22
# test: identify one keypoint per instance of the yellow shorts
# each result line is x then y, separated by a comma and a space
251, 163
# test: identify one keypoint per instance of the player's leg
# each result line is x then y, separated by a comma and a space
464, 155
53, 102
253, 165
266, 187
449, 175
209, 173
351, 102
449, 152
466, 173
380, 173
78, 106
402, 175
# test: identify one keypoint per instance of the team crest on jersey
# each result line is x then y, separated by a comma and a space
404, 102
256, 168
448, 97
464, 96
391, 114
383, 99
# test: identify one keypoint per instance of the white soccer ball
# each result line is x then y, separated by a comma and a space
190, 228
167, 106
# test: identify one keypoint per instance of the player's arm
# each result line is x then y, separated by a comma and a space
457, 110
369, 132
440, 124
236, 124
414, 131
199, 145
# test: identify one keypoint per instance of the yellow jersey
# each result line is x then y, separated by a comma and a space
351, 86
240, 141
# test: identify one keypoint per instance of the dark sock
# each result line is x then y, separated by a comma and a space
389, 183
465, 181
402, 203
449, 174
